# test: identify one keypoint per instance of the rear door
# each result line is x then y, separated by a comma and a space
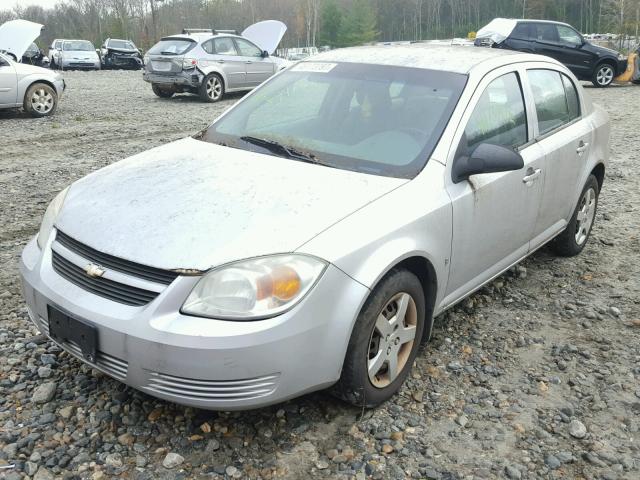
258, 68
547, 41
8, 83
565, 137
226, 55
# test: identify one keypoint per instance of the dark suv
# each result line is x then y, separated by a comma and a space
556, 40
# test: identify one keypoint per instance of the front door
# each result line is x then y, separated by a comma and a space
494, 215
571, 53
258, 68
8, 83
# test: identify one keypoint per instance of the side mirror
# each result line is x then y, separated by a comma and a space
265, 54
486, 158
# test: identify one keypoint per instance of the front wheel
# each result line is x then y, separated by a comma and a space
40, 100
384, 341
212, 88
573, 239
603, 75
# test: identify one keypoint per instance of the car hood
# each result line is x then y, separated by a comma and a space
17, 35
266, 35
79, 53
195, 205
602, 50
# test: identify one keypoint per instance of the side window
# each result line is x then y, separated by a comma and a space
58, 45
247, 49
547, 32
573, 102
499, 116
550, 98
569, 36
224, 46
522, 31
208, 47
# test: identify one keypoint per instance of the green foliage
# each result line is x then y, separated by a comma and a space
353, 25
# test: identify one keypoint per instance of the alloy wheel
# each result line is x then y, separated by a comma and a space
392, 340
42, 101
586, 214
214, 88
605, 75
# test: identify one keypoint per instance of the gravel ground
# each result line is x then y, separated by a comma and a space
535, 376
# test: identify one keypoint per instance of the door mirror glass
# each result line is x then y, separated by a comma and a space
486, 158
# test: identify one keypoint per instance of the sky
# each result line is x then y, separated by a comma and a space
26, 3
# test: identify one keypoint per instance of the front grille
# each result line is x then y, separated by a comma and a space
118, 292
212, 390
152, 274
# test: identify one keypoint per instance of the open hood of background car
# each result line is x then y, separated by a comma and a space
266, 35
17, 35
497, 29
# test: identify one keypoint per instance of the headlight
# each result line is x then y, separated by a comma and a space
252, 289
50, 216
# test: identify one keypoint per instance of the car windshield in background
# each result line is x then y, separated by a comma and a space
121, 44
373, 119
171, 47
78, 46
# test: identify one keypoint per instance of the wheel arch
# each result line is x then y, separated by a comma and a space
31, 83
422, 268
598, 172
217, 71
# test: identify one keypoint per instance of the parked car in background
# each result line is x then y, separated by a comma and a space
34, 55
116, 53
308, 237
55, 51
556, 40
210, 63
75, 54
37, 90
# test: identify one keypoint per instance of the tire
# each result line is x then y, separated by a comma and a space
369, 342
573, 239
161, 92
41, 100
603, 75
212, 88
635, 82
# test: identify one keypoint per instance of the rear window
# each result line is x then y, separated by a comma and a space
172, 47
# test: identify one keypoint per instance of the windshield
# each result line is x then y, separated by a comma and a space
171, 47
374, 119
122, 44
78, 46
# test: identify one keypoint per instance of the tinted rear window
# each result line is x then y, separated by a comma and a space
171, 47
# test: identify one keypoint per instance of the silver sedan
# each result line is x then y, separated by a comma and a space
309, 236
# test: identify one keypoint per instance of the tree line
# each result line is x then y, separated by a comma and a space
334, 23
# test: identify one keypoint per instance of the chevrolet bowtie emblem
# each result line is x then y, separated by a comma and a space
94, 271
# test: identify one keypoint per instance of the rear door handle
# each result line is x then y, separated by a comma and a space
531, 176
248, 61
220, 61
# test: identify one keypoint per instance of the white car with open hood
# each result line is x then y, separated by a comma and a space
35, 89
211, 62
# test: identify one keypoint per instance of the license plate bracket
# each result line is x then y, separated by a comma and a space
64, 328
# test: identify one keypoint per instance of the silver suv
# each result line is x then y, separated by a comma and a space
210, 63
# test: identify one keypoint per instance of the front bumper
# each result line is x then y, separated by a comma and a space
191, 79
80, 64
201, 362
621, 66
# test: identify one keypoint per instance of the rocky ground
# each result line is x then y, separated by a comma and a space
535, 376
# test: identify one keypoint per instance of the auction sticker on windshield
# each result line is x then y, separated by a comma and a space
320, 67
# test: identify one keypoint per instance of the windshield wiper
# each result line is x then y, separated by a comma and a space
282, 150
168, 53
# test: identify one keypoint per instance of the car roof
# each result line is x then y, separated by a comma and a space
200, 36
552, 22
455, 58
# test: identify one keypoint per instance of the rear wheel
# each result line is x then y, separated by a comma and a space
572, 241
384, 342
162, 92
603, 75
212, 88
40, 100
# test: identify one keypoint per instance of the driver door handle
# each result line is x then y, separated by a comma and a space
582, 147
531, 175
248, 61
